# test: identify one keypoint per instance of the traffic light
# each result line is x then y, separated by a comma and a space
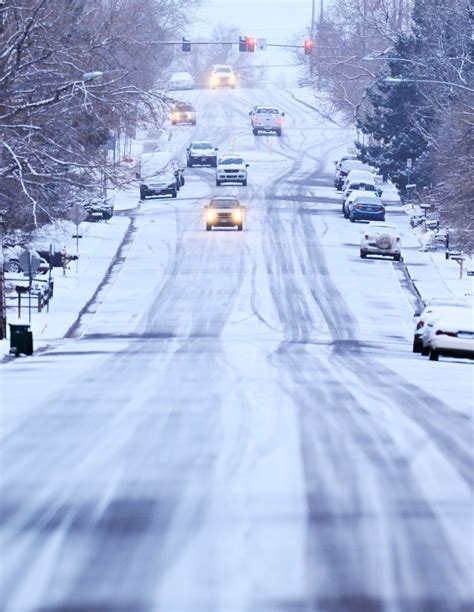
308, 47
243, 43
250, 44
186, 45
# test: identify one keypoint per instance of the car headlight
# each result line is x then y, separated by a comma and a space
232, 80
213, 80
237, 215
211, 215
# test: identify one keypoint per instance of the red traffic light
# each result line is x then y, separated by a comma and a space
250, 44
308, 47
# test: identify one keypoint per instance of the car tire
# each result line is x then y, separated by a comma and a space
351, 219
244, 183
397, 257
13, 266
214, 164
363, 254
189, 164
239, 227
255, 132
278, 132
174, 193
173, 122
417, 345
142, 195
208, 227
218, 183
193, 122
434, 355
425, 350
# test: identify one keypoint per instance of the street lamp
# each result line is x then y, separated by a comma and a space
394, 80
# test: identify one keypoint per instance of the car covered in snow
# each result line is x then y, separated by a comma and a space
451, 334
181, 80
231, 168
224, 211
432, 309
201, 153
346, 167
381, 238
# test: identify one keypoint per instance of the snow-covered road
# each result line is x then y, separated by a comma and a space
237, 423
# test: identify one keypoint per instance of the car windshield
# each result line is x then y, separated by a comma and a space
227, 161
270, 111
223, 69
201, 145
184, 107
224, 203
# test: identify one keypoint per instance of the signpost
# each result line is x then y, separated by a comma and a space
29, 260
77, 214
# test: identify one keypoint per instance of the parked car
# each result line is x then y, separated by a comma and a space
225, 211
99, 210
181, 80
346, 167
381, 238
231, 169
347, 204
222, 75
12, 261
338, 162
183, 112
432, 307
266, 119
365, 208
452, 334
202, 153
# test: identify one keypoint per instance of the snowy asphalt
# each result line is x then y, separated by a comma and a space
236, 422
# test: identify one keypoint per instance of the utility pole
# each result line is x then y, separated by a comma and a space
3, 310
320, 37
311, 57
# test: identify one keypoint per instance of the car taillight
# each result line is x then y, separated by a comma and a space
280, 121
440, 332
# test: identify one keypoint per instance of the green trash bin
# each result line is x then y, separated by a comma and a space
21, 339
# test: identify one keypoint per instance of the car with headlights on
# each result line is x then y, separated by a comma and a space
433, 308
231, 169
222, 75
452, 334
381, 238
201, 153
183, 112
225, 211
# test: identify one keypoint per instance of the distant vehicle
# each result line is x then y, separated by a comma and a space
430, 312
99, 210
225, 211
231, 169
266, 119
11, 261
338, 162
346, 167
452, 334
183, 112
381, 239
181, 80
202, 153
366, 209
222, 75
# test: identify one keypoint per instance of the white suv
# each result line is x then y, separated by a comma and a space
381, 238
266, 119
231, 169
222, 75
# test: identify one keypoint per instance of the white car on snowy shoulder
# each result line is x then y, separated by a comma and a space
452, 334
231, 169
